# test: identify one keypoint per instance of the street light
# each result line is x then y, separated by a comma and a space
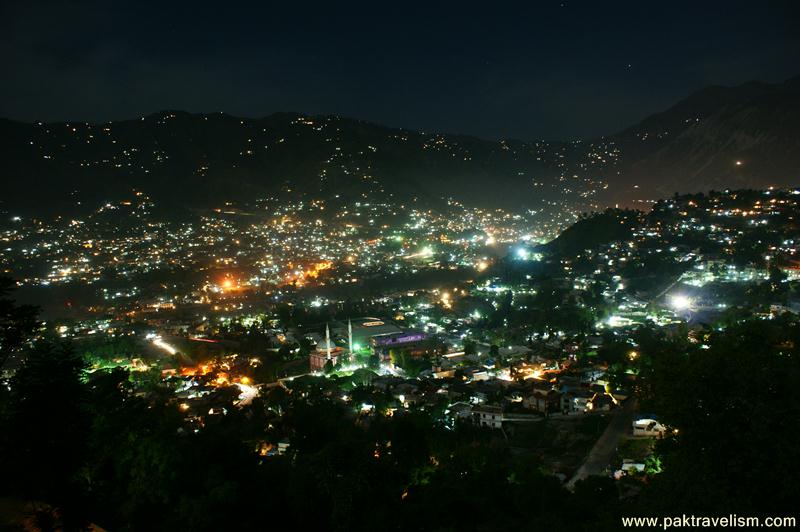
680, 302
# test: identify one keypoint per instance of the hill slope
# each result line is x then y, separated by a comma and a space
202, 160
738, 137
717, 138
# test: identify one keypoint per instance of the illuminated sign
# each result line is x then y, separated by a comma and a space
372, 323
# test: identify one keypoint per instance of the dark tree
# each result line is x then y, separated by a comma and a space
42, 445
17, 322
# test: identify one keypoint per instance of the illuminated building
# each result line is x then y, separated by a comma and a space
317, 359
361, 330
488, 416
381, 344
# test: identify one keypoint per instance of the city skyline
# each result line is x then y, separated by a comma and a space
494, 267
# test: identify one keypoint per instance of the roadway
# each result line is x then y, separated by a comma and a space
600, 456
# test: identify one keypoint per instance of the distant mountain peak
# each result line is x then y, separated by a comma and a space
747, 136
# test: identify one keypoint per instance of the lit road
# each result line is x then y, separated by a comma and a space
161, 344
599, 458
248, 394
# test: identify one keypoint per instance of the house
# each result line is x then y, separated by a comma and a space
440, 373
568, 382
460, 410
480, 376
600, 402
544, 401
575, 401
385, 382
488, 416
514, 352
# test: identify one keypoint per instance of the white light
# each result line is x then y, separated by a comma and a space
158, 342
617, 321
680, 302
248, 393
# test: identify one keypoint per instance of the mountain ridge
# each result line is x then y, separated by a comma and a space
746, 136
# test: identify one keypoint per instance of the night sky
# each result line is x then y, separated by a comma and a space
525, 70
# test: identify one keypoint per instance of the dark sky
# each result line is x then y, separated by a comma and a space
535, 69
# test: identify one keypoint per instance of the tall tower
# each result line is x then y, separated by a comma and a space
349, 335
328, 341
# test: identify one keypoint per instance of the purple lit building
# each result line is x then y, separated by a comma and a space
382, 343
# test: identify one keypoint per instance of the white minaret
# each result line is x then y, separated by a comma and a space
328, 341
350, 335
